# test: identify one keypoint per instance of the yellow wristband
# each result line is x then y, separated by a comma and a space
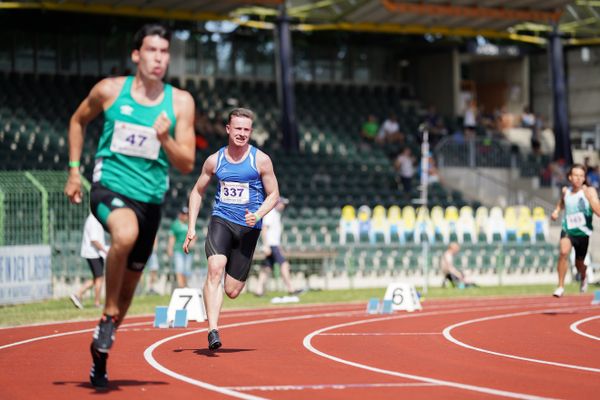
74, 164
257, 217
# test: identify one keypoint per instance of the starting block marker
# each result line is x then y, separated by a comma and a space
403, 296
160, 317
187, 299
181, 320
373, 306
596, 299
387, 307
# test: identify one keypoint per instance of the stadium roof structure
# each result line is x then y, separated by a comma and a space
522, 20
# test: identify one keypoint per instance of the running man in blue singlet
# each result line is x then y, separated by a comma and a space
580, 202
148, 125
246, 192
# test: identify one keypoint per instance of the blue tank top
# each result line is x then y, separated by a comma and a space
240, 187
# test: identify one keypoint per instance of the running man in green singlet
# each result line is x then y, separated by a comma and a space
580, 202
148, 126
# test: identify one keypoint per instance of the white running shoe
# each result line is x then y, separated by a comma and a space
76, 301
583, 285
558, 292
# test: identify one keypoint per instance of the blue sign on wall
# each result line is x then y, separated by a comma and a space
25, 274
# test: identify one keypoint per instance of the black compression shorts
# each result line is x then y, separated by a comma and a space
103, 201
236, 242
579, 243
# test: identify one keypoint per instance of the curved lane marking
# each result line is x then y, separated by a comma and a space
448, 335
223, 390
150, 359
575, 327
307, 343
155, 364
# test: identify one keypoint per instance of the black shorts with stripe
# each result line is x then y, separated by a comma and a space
103, 201
236, 242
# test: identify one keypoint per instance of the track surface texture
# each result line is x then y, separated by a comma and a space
484, 348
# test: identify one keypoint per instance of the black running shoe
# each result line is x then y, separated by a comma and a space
98, 376
214, 341
104, 334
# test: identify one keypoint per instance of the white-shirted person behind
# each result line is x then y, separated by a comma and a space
272, 229
93, 249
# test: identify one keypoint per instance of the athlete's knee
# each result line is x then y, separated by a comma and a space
124, 236
232, 293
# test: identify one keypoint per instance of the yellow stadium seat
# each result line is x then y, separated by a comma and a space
380, 231
409, 217
396, 224
511, 223
423, 226
348, 225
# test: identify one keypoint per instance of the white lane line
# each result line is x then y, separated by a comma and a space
381, 334
35, 339
337, 386
148, 353
307, 343
575, 327
223, 390
448, 335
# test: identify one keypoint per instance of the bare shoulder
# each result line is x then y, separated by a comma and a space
263, 161
590, 192
211, 162
182, 98
108, 88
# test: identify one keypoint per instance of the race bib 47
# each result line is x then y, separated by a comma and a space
135, 140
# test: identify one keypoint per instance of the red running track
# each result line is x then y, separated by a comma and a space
524, 347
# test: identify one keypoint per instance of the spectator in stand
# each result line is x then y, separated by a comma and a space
405, 169
369, 129
434, 174
94, 250
452, 274
434, 123
470, 119
529, 121
389, 132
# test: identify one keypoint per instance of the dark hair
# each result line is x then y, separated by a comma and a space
240, 112
580, 166
150, 30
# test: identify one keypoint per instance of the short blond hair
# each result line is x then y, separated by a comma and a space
241, 112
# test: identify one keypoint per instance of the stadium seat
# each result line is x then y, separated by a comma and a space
364, 223
439, 224
540, 222
348, 225
496, 231
511, 223
481, 221
423, 227
466, 225
396, 224
525, 225
380, 231
409, 218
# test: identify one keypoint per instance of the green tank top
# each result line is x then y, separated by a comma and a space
577, 220
130, 159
